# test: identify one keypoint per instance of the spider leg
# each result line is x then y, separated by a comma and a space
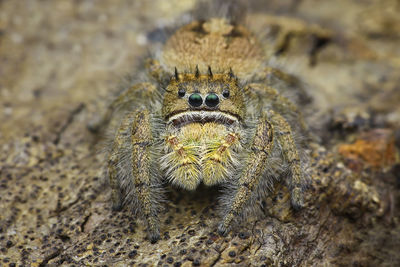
124, 100
156, 71
141, 139
278, 103
114, 159
296, 180
251, 174
287, 114
273, 127
136, 130
285, 83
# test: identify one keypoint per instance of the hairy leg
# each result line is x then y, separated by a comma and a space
289, 79
136, 130
296, 181
273, 127
278, 102
156, 71
285, 83
141, 140
124, 100
114, 160
251, 174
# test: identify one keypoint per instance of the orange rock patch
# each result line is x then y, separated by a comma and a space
375, 148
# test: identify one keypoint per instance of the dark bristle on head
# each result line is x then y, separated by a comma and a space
176, 74
197, 73
210, 74
231, 74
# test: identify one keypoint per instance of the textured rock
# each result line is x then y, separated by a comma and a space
60, 61
375, 148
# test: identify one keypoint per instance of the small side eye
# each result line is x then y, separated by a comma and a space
181, 92
225, 93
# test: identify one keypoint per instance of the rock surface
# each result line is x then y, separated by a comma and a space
60, 61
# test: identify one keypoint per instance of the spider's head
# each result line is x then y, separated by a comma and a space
203, 98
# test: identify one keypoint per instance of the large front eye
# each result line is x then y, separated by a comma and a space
212, 100
181, 92
195, 100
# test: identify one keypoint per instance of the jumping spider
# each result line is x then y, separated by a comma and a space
208, 114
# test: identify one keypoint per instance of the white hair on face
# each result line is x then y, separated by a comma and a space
186, 117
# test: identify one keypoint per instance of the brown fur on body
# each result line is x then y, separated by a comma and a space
215, 43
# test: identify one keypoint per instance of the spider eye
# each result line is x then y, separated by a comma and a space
225, 93
212, 100
195, 100
181, 92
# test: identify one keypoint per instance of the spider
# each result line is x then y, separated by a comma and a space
208, 113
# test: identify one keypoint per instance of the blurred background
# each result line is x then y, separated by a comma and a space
60, 61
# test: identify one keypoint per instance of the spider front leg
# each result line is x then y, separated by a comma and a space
139, 187
272, 129
251, 174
